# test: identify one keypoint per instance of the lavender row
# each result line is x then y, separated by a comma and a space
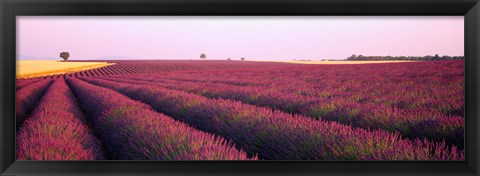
130, 130
27, 98
435, 85
279, 136
125, 67
24, 82
57, 130
412, 124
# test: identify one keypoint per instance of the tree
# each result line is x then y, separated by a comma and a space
229, 59
64, 55
203, 56
242, 58
353, 57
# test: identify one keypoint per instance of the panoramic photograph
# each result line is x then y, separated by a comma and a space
316, 88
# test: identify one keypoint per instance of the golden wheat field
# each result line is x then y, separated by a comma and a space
34, 68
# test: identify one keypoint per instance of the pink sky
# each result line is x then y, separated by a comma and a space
261, 38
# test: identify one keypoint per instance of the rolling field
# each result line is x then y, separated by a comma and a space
233, 110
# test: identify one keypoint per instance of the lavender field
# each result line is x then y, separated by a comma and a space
240, 110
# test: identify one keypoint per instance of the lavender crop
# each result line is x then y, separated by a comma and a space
56, 130
28, 97
277, 135
130, 130
24, 82
418, 123
122, 67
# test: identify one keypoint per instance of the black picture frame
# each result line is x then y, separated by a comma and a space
9, 9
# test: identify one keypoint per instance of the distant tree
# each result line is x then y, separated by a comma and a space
436, 57
242, 58
353, 57
203, 56
64, 55
229, 59
429, 57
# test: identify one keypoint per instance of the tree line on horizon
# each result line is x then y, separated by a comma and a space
415, 58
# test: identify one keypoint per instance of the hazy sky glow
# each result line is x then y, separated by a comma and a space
262, 38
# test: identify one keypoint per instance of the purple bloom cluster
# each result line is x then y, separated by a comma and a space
131, 130
57, 130
26, 99
24, 82
278, 135
125, 67
420, 122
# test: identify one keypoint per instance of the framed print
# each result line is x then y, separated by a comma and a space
255, 87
